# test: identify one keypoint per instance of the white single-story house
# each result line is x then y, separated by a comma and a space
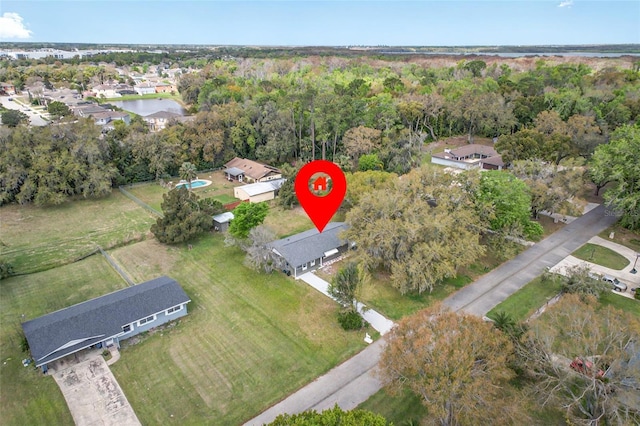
259, 191
241, 169
469, 157
144, 88
106, 90
102, 118
105, 320
221, 221
310, 249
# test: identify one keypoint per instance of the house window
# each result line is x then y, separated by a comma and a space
126, 328
304, 267
146, 320
313, 262
174, 309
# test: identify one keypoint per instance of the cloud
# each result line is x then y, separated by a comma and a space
11, 26
566, 3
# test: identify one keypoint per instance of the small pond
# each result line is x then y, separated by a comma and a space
149, 106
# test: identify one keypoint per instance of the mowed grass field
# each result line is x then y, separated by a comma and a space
34, 239
249, 340
26, 396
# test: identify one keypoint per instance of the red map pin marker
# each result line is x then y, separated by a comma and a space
320, 187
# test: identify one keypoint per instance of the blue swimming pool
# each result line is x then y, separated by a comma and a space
195, 184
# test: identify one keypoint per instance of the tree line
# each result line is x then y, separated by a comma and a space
363, 113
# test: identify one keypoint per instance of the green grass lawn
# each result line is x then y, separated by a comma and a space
401, 409
287, 222
381, 296
220, 189
622, 236
216, 366
38, 238
27, 397
150, 194
398, 409
601, 255
249, 340
528, 299
225, 199
623, 303
549, 225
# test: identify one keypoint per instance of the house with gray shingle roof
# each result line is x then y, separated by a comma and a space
105, 320
310, 249
469, 157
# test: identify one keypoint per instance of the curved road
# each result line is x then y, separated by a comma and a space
354, 381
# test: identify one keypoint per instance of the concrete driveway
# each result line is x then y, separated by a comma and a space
93, 395
624, 274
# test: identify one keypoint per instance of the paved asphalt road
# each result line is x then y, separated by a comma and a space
489, 290
354, 381
34, 118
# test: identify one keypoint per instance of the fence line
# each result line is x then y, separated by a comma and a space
140, 202
544, 307
117, 267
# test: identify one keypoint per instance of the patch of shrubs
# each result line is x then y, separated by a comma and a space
351, 320
6, 270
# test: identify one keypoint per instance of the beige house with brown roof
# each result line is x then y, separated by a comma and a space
242, 170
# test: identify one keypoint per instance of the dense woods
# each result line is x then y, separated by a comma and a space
364, 112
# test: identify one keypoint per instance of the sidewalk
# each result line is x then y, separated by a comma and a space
377, 321
348, 385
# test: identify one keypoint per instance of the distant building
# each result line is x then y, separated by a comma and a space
469, 157
7, 89
241, 169
259, 191
159, 120
144, 88
102, 118
165, 88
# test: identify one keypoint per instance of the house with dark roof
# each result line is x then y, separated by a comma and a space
259, 191
469, 157
241, 169
310, 249
105, 320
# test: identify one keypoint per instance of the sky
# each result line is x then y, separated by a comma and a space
322, 23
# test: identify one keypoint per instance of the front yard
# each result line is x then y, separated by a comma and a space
215, 366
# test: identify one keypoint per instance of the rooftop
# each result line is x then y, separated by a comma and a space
251, 168
309, 245
63, 332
